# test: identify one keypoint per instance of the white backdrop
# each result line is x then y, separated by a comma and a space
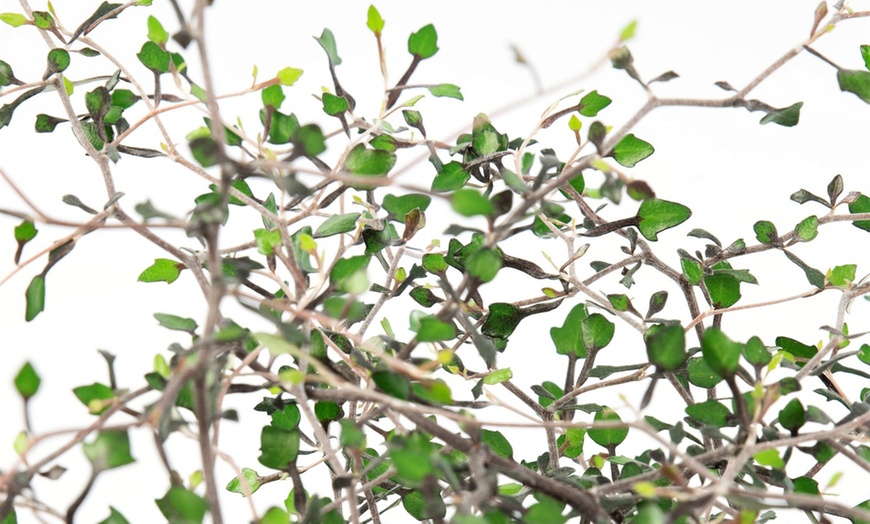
720, 162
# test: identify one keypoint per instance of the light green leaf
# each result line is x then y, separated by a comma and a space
469, 203
807, 229
251, 480
446, 90
156, 33
374, 21
162, 270
424, 43
13, 19
289, 75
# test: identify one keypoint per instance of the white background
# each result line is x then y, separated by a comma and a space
730, 170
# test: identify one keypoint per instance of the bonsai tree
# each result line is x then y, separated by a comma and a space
374, 342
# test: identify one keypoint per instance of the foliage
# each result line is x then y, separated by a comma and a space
380, 362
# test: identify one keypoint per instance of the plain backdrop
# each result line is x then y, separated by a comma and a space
729, 169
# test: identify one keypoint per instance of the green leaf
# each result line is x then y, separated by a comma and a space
374, 21
289, 416
796, 348
658, 215
710, 412
498, 376
792, 416
724, 290
400, 206
154, 57
502, 320
95, 397
856, 82
769, 457
861, 205
656, 303
484, 264
176, 323
181, 506
373, 162
607, 437
42, 19
666, 346
289, 75
156, 33
591, 104
251, 481
497, 443
755, 352
347, 269
273, 96
47, 123
446, 90
434, 263
115, 517
13, 19
327, 42
424, 507
7, 77
451, 177
701, 374
334, 105
27, 381
631, 150
111, 449
814, 276
308, 140
807, 229
806, 485
842, 275
278, 447
433, 330
35, 296
392, 384
567, 338
787, 116
424, 43
765, 232
720, 352
596, 332
162, 270
693, 271
268, 241
469, 203
58, 60
352, 436
337, 224
100, 14
327, 411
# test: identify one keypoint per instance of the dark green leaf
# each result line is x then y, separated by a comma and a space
814, 276
755, 352
446, 90
658, 215
693, 271
205, 150
162, 270
666, 346
710, 412
115, 517
803, 196
88, 25
596, 332
502, 320
592, 103
620, 302
287, 417
414, 119
181, 506
47, 123
327, 411
7, 77
796, 348
856, 82
724, 290
154, 57
337, 224
27, 381
35, 296
720, 352
424, 43
95, 397
111, 449
792, 416
58, 61
656, 303
176, 323
278, 447
631, 150
787, 116
567, 338
424, 296
807, 486
701, 374
607, 437
861, 205
765, 232
308, 140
